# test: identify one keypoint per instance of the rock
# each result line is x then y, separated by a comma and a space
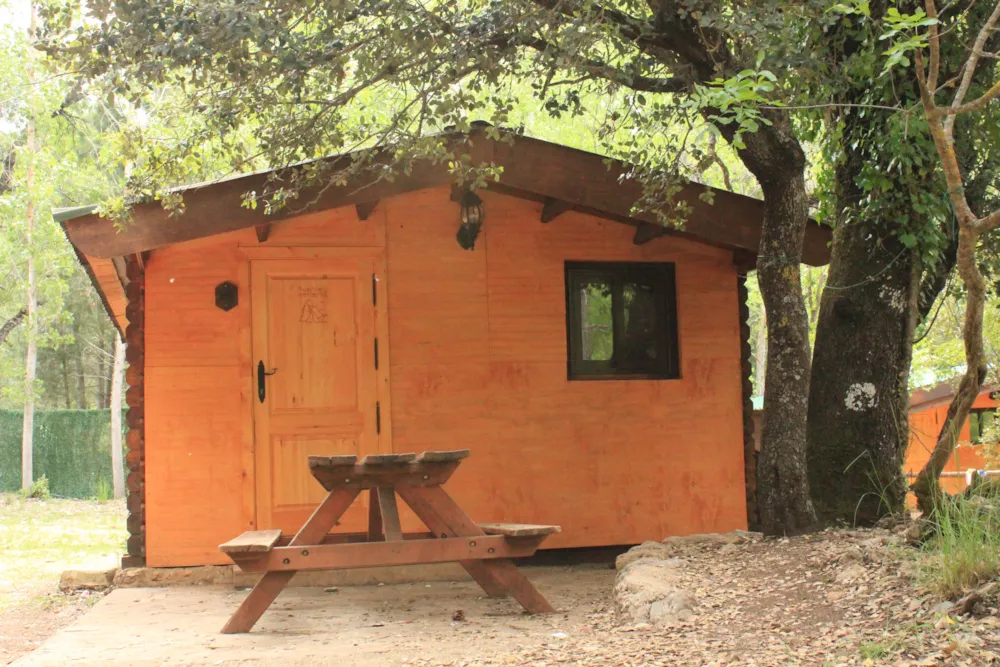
712, 539
943, 607
91, 580
728, 548
851, 556
850, 573
678, 606
833, 596
147, 577
646, 582
652, 550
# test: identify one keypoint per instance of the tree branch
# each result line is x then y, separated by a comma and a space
11, 324
970, 68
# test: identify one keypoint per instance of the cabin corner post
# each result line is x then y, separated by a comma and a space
135, 459
743, 267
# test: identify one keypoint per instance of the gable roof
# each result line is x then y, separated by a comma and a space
532, 168
563, 178
922, 398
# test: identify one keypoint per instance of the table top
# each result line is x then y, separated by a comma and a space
428, 468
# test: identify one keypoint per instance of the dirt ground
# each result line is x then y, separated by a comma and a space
841, 598
38, 540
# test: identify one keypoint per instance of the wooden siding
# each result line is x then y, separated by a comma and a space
925, 425
106, 276
477, 360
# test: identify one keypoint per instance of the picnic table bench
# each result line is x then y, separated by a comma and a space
484, 549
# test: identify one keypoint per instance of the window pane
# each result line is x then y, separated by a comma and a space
640, 343
597, 335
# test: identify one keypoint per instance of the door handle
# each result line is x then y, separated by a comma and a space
261, 374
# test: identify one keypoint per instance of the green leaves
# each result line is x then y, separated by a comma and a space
905, 31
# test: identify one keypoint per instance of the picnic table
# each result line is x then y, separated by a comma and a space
484, 549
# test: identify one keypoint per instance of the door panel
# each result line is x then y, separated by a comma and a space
314, 327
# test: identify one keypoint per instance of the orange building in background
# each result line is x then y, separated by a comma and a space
928, 409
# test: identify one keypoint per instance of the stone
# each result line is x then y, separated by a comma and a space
676, 607
833, 596
151, 577
851, 556
850, 573
943, 607
90, 580
652, 550
643, 584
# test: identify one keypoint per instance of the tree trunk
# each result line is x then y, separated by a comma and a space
65, 375
100, 383
81, 374
859, 401
775, 157
31, 300
760, 354
926, 486
117, 370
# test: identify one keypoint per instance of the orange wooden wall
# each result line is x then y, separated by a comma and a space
477, 360
925, 425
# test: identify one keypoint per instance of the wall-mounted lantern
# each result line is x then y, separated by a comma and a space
472, 220
226, 295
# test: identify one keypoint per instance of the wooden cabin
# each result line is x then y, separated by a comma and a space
928, 410
595, 363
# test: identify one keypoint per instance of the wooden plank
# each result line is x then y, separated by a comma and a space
390, 513
367, 477
252, 541
346, 538
375, 531
518, 529
262, 231
384, 554
436, 509
387, 459
272, 583
444, 455
552, 208
344, 460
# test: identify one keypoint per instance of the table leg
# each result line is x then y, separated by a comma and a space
374, 516
390, 513
500, 577
271, 584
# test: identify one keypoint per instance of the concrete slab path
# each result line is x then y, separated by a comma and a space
361, 626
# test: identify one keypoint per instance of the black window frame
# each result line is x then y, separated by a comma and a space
976, 424
660, 274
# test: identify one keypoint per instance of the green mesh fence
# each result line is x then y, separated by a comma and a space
72, 449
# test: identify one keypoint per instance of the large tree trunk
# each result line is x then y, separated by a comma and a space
117, 370
775, 157
858, 403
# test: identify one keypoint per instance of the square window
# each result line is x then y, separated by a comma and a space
621, 320
982, 425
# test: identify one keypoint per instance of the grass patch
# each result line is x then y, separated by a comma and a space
41, 538
965, 550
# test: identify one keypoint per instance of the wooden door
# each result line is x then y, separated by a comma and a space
314, 330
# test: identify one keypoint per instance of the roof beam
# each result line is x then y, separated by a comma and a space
365, 209
552, 208
262, 231
646, 232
